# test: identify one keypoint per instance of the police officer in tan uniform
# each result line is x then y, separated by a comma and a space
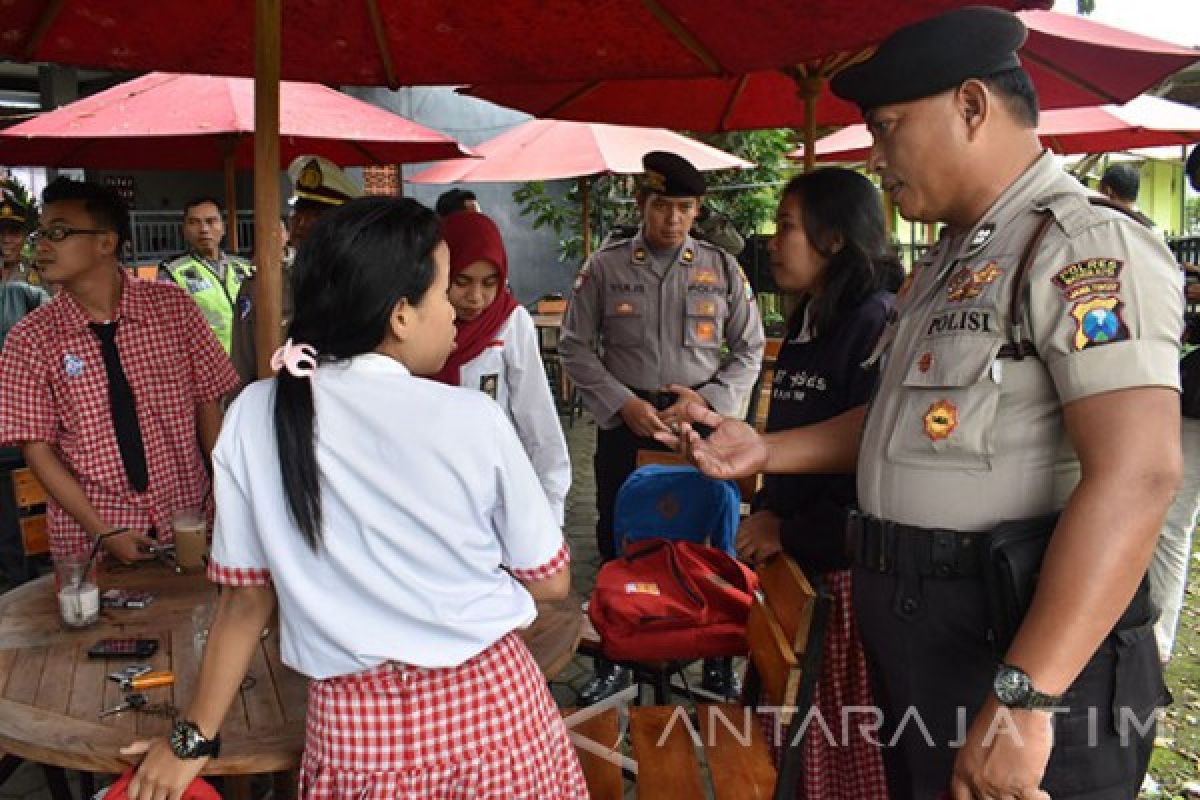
318, 185
1017, 415
643, 336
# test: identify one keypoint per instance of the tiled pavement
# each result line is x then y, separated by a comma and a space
28, 782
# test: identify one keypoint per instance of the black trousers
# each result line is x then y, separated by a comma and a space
931, 667
616, 457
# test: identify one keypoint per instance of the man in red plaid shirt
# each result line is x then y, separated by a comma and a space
59, 400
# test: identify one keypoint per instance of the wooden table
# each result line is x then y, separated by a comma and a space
51, 692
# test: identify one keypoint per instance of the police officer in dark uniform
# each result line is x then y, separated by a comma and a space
660, 306
1017, 460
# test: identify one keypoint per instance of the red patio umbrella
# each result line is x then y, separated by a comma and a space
1143, 122
436, 42
547, 149
199, 122
1073, 62
422, 41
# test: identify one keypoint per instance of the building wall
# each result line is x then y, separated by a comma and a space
534, 268
1160, 193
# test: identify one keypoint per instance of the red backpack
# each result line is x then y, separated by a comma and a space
667, 599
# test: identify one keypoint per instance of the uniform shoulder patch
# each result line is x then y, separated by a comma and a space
1088, 278
1098, 321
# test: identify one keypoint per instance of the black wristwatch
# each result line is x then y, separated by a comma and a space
188, 742
1014, 688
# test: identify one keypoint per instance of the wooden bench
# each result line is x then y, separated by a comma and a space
603, 775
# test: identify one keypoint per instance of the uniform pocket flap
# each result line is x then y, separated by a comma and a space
951, 362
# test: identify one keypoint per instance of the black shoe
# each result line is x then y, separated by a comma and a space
608, 679
720, 679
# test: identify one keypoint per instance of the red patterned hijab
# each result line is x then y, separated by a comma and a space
472, 237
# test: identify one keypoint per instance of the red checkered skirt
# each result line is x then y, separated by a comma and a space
485, 729
839, 762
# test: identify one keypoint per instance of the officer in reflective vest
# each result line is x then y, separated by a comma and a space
211, 276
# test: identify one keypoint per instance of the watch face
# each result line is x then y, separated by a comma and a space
184, 739
1012, 686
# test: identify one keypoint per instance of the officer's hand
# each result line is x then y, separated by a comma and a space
1005, 755
641, 417
130, 546
759, 537
732, 450
673, 415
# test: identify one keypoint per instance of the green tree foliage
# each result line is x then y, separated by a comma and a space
748, 197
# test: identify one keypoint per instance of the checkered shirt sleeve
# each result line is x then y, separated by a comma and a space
213, 375
27, 412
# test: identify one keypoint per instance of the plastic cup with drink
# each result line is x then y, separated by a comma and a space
191, 539
78, 595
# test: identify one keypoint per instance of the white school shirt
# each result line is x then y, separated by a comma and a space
426, 493
511, 371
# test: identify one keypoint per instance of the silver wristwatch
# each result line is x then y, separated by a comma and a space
1014, 688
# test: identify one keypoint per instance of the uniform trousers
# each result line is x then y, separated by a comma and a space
615, 459
931, 666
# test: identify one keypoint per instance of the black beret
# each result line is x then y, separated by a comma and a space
1192, 170
934, 55
670, 175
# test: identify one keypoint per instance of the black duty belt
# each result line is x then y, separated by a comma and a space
881, 545
660, 399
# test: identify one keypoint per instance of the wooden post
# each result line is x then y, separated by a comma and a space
586, 221
231, 231
810, 88
268, 295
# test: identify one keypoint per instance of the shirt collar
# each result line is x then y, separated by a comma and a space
373, 362
1012, 202
132, 305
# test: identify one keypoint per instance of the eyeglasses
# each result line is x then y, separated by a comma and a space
58, 233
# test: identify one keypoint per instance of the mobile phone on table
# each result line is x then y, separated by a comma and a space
123, 648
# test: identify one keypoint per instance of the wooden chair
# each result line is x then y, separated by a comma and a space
785, 631
30, 497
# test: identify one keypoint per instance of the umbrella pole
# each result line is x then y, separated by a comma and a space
267, 247
585, 193
810, 87
231, 229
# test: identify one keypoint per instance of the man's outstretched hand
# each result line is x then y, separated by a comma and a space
732, 450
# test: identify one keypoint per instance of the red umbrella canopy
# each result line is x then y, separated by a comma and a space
547, 149
1073, 62
1143, 122
437, 42
188, 122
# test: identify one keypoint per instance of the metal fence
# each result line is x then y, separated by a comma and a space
159, 234
1186, 249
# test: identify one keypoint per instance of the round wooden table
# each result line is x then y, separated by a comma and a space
51, 693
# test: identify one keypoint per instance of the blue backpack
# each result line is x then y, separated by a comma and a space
676, 502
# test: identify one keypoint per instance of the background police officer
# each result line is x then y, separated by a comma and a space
991, 417
643, 336
317, 186
211, 276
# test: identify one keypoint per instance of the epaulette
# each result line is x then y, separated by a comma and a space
1075, 212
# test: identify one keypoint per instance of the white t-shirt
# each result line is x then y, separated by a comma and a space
511, 371
425, 493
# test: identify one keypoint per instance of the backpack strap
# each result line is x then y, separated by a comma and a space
1017, 347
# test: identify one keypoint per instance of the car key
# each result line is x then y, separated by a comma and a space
132, 703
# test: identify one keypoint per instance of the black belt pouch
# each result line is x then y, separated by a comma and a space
1012, 560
